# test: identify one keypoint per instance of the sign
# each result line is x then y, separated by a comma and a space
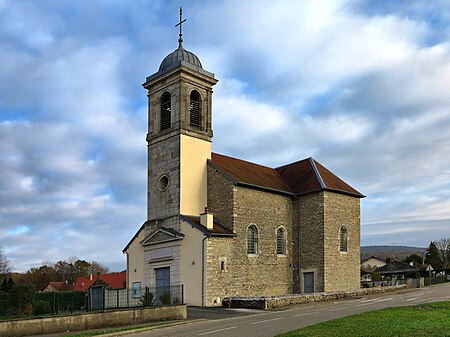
429, 268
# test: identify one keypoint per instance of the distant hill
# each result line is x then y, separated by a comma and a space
398, 252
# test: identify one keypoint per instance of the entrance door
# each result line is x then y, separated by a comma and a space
163, 285
308, 282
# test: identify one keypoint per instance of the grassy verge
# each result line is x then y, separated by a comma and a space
428, 320
113, 330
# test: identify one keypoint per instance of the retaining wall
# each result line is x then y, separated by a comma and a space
272, 302
34, 326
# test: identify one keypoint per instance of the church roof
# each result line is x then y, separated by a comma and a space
297, 178
217, 230
178, 55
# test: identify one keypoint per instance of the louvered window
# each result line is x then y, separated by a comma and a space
166, 111
343, 239
281, 241
194, 116
252, 240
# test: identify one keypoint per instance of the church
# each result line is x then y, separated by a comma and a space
221, 226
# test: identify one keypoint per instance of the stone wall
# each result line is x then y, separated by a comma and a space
273, 302
164, 159
221, 198
265, 273
34, 326
310, 213
341, 269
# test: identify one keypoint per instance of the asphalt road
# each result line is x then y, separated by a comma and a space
238, 323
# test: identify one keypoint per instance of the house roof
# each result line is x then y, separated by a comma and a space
217, 230
395, 267
61, 286
373, 257
297, 178
113, 280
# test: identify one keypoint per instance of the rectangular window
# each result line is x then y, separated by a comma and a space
136, 289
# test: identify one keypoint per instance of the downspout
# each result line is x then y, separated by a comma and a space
203, 270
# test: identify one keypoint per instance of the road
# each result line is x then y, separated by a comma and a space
269, 323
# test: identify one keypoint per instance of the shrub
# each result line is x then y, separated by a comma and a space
4, 303
41, 307
21, 299
148, 299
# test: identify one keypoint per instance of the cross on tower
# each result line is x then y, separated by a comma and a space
180, 39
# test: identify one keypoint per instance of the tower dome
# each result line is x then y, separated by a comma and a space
178, 55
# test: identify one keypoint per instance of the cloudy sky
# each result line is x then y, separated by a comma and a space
361, 86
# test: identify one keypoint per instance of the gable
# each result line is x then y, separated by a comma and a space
160, 235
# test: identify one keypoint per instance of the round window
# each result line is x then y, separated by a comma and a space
163, 183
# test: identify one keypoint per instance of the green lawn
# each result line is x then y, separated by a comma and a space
430, 320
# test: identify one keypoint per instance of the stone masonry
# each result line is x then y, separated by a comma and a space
312, 223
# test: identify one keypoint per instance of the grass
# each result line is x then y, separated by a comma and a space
113, 330
428, 320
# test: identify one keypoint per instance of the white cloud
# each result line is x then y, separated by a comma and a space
364, 91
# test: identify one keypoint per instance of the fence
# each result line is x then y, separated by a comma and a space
101, 298
437, 279
379, 284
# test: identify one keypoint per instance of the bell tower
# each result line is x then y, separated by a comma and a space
179, 134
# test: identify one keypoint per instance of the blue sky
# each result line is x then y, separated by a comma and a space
361, 86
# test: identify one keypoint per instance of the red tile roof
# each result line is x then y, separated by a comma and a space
113, 280
297, 178
59, 286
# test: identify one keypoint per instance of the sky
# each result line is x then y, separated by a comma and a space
361, 86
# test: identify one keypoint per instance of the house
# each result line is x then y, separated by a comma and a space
222, 226
111, 280
58, 287
397, 270
372, 262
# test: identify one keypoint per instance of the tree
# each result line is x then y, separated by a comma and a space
97, 268
443, 246
414, 258
5, 265
433, 257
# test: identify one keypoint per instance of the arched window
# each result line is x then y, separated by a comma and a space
194, 116
166, 111
343, 239
252, 240
281, 241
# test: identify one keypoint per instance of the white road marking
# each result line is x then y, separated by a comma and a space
411, 299
376, 301
267, 320
335, 309
306, 313
214, 331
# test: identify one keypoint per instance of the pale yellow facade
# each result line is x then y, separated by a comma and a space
135, 260
194, 153
192, 264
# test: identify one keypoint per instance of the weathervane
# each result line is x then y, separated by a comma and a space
180, 39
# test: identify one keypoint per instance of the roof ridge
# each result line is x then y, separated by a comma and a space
316, 172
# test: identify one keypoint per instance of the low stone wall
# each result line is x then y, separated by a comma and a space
34, 326
273, 302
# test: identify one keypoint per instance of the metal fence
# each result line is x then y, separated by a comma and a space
101, 298
436, 279
380, 284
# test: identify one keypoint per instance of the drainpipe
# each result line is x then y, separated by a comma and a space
203, 270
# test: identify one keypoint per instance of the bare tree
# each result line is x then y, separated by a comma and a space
443, 246
5, 265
